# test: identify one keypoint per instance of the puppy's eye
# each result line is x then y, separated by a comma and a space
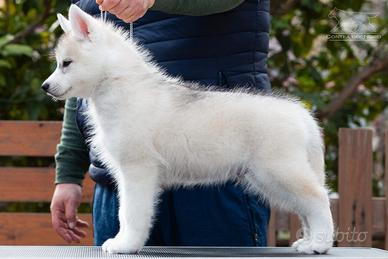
66, 63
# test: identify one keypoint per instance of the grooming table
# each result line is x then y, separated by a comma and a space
78, 252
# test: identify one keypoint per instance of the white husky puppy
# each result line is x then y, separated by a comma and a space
154, 131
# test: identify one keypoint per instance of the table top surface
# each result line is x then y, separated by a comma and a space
76, 252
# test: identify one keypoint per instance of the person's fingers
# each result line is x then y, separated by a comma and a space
75, 238
75, 233
120, 7
107, 5
138, 16
130, 14
60, 226
133, 17
58, 222
56, 216
64, 204
64, 234
82, 224
124, 12
79, 232
128, 11
71, 214
99, 2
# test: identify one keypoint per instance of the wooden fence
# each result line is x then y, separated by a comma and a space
30, 184
359, 217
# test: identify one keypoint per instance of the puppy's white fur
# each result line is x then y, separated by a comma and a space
154, 131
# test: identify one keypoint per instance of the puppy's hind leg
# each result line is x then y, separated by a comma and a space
138, 192
290, 183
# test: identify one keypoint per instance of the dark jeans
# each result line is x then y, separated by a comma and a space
201, 216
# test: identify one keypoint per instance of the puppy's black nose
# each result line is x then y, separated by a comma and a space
45, 86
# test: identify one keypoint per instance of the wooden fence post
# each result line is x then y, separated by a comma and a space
386, 189
271, 236
355, 187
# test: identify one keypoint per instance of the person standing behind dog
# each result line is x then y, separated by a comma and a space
222, 43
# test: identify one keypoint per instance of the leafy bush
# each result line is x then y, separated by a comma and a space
26, 39
341, 81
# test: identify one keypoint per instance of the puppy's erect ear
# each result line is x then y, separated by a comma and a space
64, 23
81, 22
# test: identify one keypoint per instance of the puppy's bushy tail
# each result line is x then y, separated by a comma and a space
315, 152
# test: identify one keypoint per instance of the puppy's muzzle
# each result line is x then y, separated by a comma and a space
45, 86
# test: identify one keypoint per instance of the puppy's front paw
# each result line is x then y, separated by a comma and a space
313, 247
119, 245
299, 242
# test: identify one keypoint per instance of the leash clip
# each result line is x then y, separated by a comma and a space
103, 15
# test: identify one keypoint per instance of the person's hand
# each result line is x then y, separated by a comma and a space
126, 10
64, 204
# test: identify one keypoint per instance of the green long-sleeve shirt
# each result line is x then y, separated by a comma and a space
195, 7
72, 158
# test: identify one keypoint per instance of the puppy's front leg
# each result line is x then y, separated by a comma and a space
138, 190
